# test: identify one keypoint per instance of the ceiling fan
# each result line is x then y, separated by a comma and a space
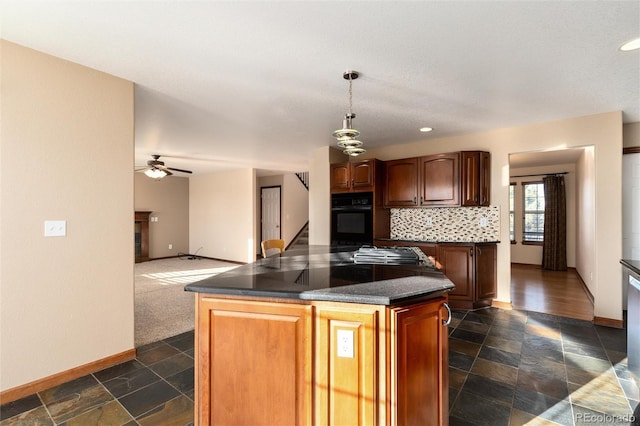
157, 170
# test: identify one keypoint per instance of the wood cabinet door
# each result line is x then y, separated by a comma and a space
439, 180
340, 177
419, 382
363, 175
457, 265
470, 178
346, 359
485, 179
401, 183
253, 363
486, 271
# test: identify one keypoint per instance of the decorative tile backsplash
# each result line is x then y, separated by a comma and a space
460, 224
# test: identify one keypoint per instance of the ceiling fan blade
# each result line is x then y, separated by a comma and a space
178, 170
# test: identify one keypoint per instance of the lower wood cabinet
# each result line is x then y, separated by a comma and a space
253, 363
419, 378
321, 363
472, 268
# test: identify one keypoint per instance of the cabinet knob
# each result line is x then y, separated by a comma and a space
448, 320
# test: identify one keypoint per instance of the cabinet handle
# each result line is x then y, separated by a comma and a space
479, 250
421, 199
415, 200
448, 321
471, 252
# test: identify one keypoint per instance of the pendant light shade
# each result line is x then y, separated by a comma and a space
347, 136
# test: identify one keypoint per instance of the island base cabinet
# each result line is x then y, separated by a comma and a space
322, 363
418, 378
253, 363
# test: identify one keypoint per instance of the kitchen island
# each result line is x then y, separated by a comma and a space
311, 337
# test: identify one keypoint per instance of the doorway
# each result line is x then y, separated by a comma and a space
531, 287
270, 207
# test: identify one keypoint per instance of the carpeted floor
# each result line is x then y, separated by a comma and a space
162, 307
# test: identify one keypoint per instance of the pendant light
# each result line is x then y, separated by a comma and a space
347, 136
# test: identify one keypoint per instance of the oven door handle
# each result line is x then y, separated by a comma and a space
351, 208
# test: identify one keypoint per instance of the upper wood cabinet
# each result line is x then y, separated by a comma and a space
429, 181
353, 176
441, 180
476, 178
401, 183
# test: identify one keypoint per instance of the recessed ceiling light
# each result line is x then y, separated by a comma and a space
426, 129
631, 45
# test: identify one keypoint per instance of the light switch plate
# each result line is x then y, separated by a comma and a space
55, 228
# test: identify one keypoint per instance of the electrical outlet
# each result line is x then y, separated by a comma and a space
170, 246
345, 343
428, 222
55, 228
484, 222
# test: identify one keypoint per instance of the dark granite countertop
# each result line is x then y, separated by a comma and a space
633, 265
328, 274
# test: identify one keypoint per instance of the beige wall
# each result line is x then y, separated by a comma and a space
587, 209
532, 254
66, 154
222, 215
631, 135
168, 200
603, 131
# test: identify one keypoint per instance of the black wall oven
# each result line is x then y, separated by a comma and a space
352, 219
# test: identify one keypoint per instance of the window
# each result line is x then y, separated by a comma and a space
512, 212
533, 229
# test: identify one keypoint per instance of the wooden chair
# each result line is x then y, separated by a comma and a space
271, 244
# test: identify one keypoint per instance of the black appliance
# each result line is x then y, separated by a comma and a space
352, 219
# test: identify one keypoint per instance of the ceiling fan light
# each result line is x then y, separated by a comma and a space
154, 173
630, 45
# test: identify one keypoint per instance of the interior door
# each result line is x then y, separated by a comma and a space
270, 200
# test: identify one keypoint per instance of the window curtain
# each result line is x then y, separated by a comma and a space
554, 250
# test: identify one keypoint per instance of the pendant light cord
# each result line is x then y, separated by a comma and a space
350, 95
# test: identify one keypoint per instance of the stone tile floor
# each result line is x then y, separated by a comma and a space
154, 389
517, 367
506, 368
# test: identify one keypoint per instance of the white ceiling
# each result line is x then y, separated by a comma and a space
259, 84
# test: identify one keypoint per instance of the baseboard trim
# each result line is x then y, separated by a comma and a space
608, 322
502, 305
39, 385
586, 289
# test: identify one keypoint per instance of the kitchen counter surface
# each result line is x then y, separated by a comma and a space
328, 274
634, 265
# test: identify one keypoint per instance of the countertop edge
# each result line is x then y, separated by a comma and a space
633, 265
